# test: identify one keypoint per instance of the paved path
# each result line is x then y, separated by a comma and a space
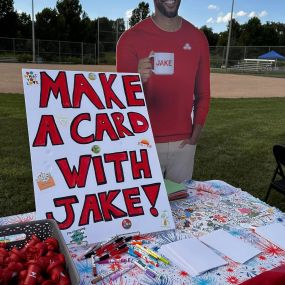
222, 85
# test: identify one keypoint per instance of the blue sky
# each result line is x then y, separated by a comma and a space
213, 13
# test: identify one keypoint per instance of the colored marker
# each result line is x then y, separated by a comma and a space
142, 255
88, 252
94, 267
115, 241
140, 242
118, 274
115, 260
98, 278
115, 252
152, 253
143, 267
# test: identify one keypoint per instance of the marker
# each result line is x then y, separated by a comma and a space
88, 252
115, 241
103, 276
115, 260
123, 248
142, 255
94, 267
140, 242
143, 267
152, 253
118, 274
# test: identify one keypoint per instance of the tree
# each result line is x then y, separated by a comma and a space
8, 19
211, 36
139, 13
69, 19
24, 26
251, 33
270, 34
6, 7
280, 30
46, 24
235, 36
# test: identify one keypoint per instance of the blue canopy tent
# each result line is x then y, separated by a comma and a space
272, 55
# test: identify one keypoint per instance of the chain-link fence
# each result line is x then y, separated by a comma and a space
237, 54
104, 52
47, 51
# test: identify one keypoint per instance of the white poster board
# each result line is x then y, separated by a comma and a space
94, 161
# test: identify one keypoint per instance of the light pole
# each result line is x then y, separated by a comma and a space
98, 41
33, 33
229, 36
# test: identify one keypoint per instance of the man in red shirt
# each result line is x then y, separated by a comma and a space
172, 57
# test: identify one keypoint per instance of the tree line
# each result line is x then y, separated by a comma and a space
66, 22
69, 22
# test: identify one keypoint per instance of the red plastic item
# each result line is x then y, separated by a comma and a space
276, 276
52, 244
6, 276
33, 241
57, 273
34, 263
33, 274
3, 255
16, 255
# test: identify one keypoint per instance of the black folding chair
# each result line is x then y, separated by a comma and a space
278, 184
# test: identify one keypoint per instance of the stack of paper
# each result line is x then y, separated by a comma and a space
275, 233
232, 247
175, 190
192, 256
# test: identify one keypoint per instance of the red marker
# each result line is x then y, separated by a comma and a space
121, 249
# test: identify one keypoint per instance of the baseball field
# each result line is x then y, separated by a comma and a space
246, 118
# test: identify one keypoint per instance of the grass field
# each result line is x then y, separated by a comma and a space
276, 74
236, 146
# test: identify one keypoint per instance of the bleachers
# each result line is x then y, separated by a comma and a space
254, 65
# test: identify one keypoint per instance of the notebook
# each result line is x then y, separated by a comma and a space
192, 256
275, 233
175, 190
230, 246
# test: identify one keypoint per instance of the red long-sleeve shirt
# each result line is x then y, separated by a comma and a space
170, 97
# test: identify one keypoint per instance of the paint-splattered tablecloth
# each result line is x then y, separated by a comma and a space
211, 205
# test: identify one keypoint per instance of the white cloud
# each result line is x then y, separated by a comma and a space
128, 13
224, 19
19, 11
240, 14
210, 20
213, 7
263, 14
252, 14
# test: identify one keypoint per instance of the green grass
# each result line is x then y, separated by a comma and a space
236, 146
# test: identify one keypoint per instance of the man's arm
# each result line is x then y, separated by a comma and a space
201, 93
127, 59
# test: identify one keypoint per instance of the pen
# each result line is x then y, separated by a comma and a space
143, 267
152, 253
118, 274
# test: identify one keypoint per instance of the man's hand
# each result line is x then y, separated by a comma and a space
197, 129
145, 68
188, 141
